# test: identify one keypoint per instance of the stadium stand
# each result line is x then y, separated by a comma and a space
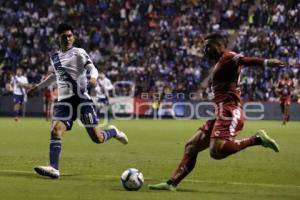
156, 44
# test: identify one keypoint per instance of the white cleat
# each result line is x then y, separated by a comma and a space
47, 171
122, 137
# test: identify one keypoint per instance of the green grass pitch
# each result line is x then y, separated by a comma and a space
91, 171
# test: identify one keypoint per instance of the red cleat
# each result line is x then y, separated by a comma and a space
17, 119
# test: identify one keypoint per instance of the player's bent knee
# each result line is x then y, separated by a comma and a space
190, 148
215, 149
97, 140
56, 132
96, 135
216, 155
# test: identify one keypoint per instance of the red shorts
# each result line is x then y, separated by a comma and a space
228, 123
285, 100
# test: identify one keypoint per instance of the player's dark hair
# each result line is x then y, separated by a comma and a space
64, 27
20, 68
216, 37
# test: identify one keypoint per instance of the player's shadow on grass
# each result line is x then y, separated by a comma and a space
187, 190
18, 174
30, 175
121, 189
145, 189
220, 192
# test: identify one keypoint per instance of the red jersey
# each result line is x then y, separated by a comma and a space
286, 86
47, 94
226, 76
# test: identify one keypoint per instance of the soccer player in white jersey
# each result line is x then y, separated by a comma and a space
104, 85
70, 65
19, 83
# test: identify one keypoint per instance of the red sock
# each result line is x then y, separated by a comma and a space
231, 147
186, 165
286, 117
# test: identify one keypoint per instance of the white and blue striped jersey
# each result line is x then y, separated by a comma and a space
70, 68
103, 86
15, 81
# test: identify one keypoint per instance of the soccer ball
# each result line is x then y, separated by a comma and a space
132, 179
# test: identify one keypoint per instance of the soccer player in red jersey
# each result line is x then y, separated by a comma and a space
219, 134
49, 96
285, 87
47, 103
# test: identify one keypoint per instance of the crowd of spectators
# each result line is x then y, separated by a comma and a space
154, 43
275, 33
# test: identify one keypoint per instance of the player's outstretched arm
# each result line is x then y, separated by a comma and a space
273, 62
24, 85
46, 82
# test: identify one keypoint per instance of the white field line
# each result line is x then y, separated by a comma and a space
186, 180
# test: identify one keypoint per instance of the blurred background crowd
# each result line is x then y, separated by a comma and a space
154, 43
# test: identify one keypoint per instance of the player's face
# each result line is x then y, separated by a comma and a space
211, 49
19, 72
66, 40
101, 76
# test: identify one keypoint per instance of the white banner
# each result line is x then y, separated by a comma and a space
121, 105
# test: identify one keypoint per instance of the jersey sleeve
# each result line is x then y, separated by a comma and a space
230, 59
84, 59
236, 57
251, 61
25, 80
109, 85
239, 59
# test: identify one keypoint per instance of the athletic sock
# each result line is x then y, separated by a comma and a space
20, 112
286, 117
186, 165
55, 149
231, 147
17, 113
109, 133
